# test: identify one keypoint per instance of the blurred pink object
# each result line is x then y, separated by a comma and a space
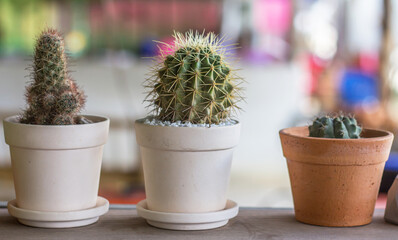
315, 67
272, 16
368, 62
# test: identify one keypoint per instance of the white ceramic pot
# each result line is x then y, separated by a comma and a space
186, 169
56, 168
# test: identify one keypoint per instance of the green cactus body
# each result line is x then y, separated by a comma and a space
338, 127
194, 84
53, 97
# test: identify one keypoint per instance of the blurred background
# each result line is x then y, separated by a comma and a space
300, 58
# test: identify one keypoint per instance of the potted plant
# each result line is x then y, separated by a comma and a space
187, 146
55, 153
335, 170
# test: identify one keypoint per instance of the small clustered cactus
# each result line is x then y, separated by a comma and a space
53, 97
194, 83
335, 127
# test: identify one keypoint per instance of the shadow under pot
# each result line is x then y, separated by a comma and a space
335, 182
56, 167
186, 169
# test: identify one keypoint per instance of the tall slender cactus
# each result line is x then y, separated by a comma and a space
53, 97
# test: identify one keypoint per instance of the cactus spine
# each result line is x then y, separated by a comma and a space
53, 98
337, 127
194, 83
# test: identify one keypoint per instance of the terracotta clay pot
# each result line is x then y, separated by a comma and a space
186, 169
56, 167
335, 182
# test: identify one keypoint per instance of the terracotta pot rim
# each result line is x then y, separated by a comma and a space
99, 119
142, 120
384, 135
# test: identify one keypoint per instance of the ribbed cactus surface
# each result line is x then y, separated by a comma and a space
337, 127
53, 98
194, 83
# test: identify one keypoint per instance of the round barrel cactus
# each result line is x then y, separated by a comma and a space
335, 127
53, 97
193, 82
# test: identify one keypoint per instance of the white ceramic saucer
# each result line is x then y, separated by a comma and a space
188, 221
59, 219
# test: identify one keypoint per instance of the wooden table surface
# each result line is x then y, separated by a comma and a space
122, 222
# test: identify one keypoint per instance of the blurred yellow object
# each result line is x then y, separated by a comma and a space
76, 42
